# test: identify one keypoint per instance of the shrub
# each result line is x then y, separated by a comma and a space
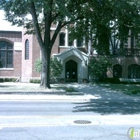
98, 67
110, 80
34, 81
8, 79
70, 89
136, 91
1, 80
56, 68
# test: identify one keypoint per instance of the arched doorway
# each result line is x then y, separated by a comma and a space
71, 71
134, 71
117, 71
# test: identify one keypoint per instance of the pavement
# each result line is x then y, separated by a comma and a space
86, 92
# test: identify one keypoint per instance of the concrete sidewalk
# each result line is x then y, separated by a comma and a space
28, 91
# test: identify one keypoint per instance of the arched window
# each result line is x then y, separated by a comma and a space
6, 54
79, 43
26, 49
117, 71
62, 39
70, 39
134, 71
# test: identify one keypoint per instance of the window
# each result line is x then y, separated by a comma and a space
27, 49
6, 54
134, 71
62, 39
70, 40
117, 71
79, 43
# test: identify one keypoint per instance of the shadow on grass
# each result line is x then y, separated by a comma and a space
108, 102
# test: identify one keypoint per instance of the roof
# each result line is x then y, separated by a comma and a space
72, 48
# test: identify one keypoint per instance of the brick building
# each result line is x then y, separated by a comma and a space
18, 53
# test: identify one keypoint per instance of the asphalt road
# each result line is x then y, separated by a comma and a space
55, 120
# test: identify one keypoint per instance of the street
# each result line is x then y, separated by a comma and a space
67, 120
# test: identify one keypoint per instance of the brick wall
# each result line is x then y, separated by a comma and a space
12, 36
124, 62
26, 64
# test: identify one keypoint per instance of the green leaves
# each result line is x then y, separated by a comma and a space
98, 66
56, 67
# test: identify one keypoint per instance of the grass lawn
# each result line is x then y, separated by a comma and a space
129, 89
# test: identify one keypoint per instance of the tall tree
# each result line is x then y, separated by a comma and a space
109, 23
92, 18
44, 14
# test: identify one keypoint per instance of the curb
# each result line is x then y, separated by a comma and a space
44, 97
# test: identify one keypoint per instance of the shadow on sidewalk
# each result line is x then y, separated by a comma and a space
108, 102
109, 107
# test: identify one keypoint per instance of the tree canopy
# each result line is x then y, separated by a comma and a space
109, 21
98, 20
38, 16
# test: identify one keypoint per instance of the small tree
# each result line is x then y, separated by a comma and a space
56, 67
98, 67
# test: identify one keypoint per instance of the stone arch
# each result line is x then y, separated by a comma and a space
134, 71
117, 71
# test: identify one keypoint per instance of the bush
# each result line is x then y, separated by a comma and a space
8, 79
1, 80
137, 91
110, 80
98, 67
34, 81
56, 68
70, 89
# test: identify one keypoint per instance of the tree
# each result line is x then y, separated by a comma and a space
56, 67
82, 17
109, 23
44, 14
98, 67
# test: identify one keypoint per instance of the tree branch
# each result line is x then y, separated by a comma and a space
55, 34
36, 24
48, 17
71, 21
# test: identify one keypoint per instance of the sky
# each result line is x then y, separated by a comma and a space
5, 25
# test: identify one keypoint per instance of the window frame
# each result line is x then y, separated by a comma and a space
62, 41
117, 71
27, 51
8, 55
134, 71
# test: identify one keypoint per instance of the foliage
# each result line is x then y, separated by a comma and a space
129, 89
98, 67
106, 19
109, 23
38, 65
34, 81
110, 80
38, 16
8, 79
70, 89
56, 67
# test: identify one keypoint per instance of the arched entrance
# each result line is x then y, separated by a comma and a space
71, 71
117, 71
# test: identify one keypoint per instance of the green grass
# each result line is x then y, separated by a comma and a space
67, 89
130, 89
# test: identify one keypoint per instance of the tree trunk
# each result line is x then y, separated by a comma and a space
45, 74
